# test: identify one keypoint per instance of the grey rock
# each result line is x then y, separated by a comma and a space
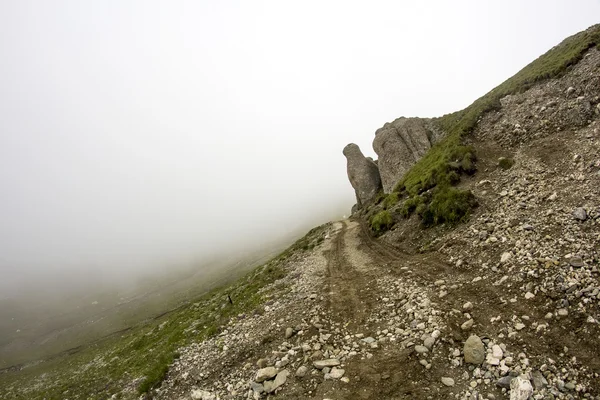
580, 214
429, 342
265, 373
301, 371
363, 175
504, 382
280, 379
262, 363
202, 395
467, 325
448, 381
257, 387
539, 381
332, 362
576, 262
369, 340
399, 145
474, 351
335, 373
421, 349
288, 333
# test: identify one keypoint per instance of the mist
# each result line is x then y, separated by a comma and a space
141, 136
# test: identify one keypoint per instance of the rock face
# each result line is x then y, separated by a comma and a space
399, 145
363, 175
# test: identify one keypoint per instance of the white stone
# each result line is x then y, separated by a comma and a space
505, 257
520, 389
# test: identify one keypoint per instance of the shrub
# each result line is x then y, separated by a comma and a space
448, 205
410, 205
390, 200
382, 221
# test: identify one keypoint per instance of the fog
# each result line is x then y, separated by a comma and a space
138, 136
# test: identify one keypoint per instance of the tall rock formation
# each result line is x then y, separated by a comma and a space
363, 175
399, 145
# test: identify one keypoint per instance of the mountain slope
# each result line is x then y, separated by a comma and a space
503, 305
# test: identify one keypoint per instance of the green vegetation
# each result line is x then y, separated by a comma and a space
449, 205
390, 200
450, 158
382, 221
410, 205
505, 163
145, 352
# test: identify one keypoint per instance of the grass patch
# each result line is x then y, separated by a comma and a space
382, 221
410, 205
390, 200
448, 205
450, 158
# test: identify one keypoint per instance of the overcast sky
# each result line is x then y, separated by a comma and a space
136, 133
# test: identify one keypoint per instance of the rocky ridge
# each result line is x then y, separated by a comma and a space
363, 174
399, 145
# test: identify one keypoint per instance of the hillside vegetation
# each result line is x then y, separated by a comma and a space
442, 167
138, 359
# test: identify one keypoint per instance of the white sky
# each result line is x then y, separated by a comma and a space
133, 133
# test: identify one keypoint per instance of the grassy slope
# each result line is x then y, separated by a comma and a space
442, 166
146, 352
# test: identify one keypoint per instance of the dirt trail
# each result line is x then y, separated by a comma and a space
357, 266
348, 297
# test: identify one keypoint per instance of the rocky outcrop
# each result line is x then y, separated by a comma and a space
363, 175
399, 145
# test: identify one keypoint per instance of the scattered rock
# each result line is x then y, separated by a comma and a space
474, 350
520, 388
280, 379
332, 362
202, 395
288, 333
335, 373
448, 381
262, 363
421, 349
301, 371
467, 325
580, 214
504, 382
539, 381
576, 261
265, 373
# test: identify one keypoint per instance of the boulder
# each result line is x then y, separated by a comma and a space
332, 362
474, 350
265, 373
399, 145
363, 175
280, 379
520, 388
